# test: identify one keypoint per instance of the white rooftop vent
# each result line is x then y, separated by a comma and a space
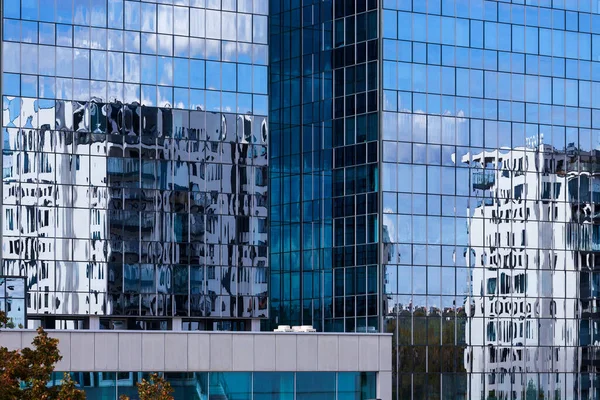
303, 328
283, 328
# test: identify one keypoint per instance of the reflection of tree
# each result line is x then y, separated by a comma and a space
531, 393
430, 346
156, 388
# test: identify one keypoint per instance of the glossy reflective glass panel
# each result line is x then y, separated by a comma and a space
114, 205
488, 135
324, 129
233, 385
152, 54
12, 301
135, 210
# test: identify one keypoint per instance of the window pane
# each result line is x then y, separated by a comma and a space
235, 385
356, 385
273, 386
315, 386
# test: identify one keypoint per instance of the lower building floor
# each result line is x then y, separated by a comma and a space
233, 385
223, 365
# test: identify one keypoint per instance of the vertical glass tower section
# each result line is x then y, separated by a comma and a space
355, 168
134, 162
489, 180
324, 171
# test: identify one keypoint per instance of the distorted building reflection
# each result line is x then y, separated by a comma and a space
135, 162
533, 240
12, 301
131, 211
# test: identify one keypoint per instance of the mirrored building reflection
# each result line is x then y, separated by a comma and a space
135, 162
489, 153
531, 245
12, 301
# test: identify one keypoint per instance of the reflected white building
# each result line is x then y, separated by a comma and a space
524, 314
121, 210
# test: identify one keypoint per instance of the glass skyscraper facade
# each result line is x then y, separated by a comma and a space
324, 171
428, 168
135, 162
434, 175
489, 192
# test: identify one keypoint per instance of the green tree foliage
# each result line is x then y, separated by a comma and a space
24, 374
157, 388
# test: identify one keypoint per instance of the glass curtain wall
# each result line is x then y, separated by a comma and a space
135, 158
489, 167
325, 173
355, 168
12, 301
234, 385
300, 54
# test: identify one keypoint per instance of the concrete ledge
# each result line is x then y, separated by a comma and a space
213, 351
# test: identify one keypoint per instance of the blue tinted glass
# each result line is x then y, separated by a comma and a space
213, 75
260, 79
244, 72
181, 74
12, 30
260, 104
47, 33
11, 84
315, 385
11, 9
213, 100
356, 385
229, 77
29, 9
64, 11
197, 74
29, 85
233, 385
103, 67
390, 29
273, 385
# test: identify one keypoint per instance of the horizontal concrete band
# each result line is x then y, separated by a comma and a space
213, 351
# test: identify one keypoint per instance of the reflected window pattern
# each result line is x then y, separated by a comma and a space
198, 55
12, 301
233, 385
121, 209
489, 161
